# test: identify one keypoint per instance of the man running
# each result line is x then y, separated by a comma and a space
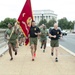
54, 35
11, 32
43, 37
34, 32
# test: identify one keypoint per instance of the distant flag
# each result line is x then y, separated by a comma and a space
25, 19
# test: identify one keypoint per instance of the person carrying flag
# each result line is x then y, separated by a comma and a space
11, 35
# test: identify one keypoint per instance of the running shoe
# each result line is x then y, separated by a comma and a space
43, 51
52, 53
11, 59
56, 59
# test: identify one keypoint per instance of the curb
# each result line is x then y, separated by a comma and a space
3, 50
67, 50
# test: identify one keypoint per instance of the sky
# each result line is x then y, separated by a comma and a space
63, 8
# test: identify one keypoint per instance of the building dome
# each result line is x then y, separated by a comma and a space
44, 14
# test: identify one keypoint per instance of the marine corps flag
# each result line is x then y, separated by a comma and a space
25, 19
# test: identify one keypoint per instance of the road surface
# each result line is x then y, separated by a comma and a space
68, 42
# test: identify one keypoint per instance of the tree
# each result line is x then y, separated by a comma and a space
70, 25
65, 24
42, 22
4, 23
48, 24
51, 23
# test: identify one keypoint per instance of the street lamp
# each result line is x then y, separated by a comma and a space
42, 15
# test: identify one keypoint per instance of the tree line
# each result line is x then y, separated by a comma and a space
4, 23
63, 23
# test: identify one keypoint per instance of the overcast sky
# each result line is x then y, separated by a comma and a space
63, 8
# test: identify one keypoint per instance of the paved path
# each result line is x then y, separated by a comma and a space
44, 63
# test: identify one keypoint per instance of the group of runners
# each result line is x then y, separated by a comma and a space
16, 37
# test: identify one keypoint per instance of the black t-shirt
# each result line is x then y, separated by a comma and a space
34, 30
55, 32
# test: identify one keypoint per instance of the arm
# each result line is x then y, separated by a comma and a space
60, 33
52, 36
38, 32
15, 30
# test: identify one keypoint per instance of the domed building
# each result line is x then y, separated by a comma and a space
44, 14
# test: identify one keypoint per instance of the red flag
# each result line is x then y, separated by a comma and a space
25, 19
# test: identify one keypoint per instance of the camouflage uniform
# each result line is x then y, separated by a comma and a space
13, 37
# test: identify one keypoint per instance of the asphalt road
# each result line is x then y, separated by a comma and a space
68, 42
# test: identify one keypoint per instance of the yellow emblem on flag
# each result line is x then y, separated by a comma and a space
29, 21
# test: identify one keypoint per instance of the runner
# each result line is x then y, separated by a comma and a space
55, 34
34, 32
11, 36
43, 37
